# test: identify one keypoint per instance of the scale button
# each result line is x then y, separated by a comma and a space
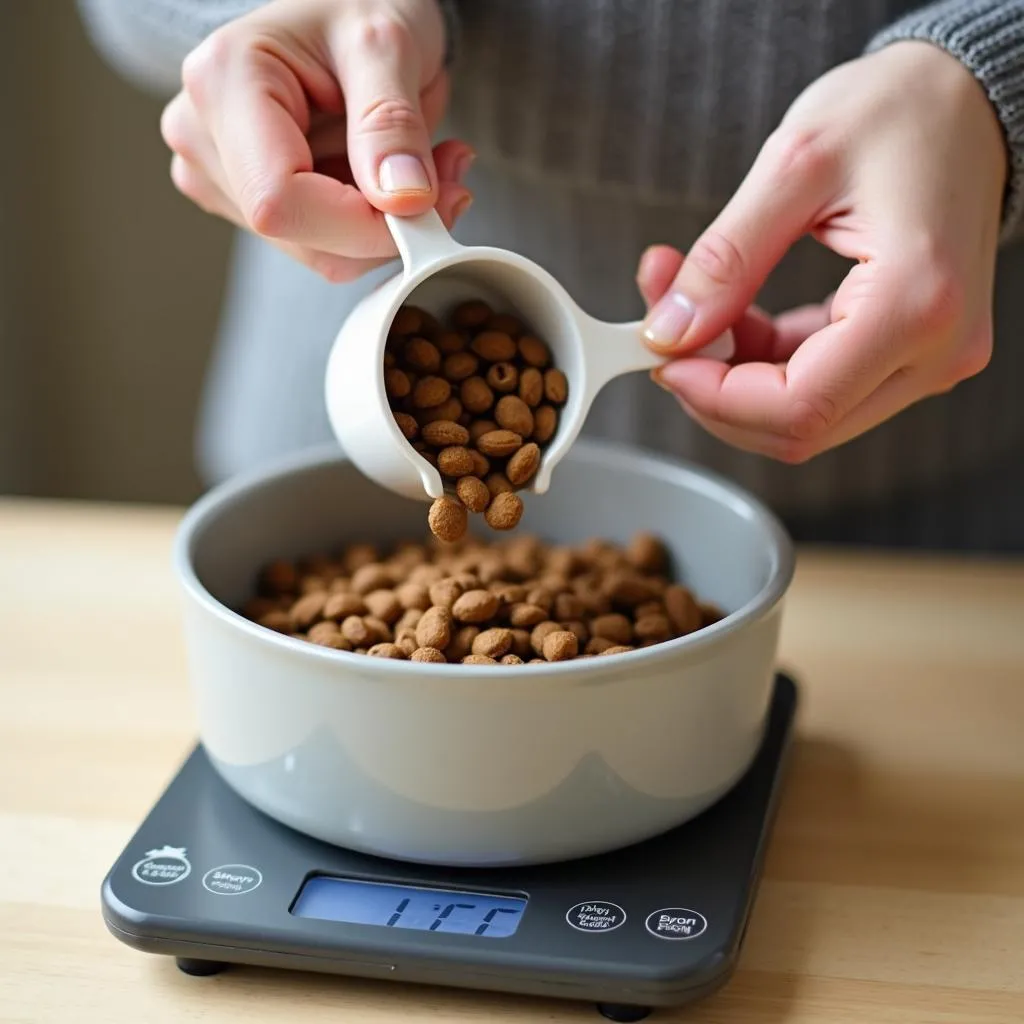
163, 866
596, 916
232, 879
676, 923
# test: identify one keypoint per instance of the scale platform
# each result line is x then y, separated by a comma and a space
210, 880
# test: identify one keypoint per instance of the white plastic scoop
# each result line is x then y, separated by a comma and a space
438, 273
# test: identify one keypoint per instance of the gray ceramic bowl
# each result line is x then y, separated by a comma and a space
466, 765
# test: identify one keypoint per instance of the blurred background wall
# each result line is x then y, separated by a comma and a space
110, 282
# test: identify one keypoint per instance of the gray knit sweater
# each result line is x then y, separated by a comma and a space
603, 126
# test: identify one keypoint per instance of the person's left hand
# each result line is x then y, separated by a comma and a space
895, 160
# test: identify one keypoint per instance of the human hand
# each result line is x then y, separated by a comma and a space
306, 120
895, 161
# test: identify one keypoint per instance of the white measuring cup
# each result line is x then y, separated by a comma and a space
438, 273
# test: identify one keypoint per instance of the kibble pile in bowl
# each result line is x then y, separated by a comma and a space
478, 399
510, 602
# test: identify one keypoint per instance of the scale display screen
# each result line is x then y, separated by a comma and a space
350, 901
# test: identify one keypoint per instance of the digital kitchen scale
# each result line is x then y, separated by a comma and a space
212, 881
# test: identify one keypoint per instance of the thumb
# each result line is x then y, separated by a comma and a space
791, 182
389, 148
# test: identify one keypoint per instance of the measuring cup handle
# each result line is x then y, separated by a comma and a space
615, 349
421, 239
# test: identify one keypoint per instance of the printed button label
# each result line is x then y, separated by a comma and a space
676, 923
232, 879
162, 867
596, 916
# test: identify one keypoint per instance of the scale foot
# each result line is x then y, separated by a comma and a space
623, 1014
204, 968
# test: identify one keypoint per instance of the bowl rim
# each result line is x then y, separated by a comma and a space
782, 555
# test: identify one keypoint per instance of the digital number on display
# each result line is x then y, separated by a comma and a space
348, 901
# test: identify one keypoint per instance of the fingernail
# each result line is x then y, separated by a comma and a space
667, 321
461, 207
660, 380
403, 173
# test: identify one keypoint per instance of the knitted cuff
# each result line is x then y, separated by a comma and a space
987, 37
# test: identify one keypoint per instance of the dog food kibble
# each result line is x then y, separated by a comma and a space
478, 399
509, 602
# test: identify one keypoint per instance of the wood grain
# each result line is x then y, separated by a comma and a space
894, 890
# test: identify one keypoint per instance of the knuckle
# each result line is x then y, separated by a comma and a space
192, 184
333, 269
718, 258
207, 63
973, 357
935, 296
795, 453
380, 33
810, 419
174, 128
389, 114
266, 210
801, 153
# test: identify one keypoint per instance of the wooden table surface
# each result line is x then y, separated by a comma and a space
894, 889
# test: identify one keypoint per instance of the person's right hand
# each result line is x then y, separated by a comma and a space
306, 120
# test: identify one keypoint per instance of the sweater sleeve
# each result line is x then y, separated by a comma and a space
147, 40
987, 37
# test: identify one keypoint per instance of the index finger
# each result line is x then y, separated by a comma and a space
269, 166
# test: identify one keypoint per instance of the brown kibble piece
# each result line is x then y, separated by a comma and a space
526, 616
545, 423
431, 392
494, 346
341, 605
408, 320
523, 465
386, 650
256, 608
629, 590
614, 627
560, 645
460, 365
449, 411
278, 620
480, 427
396, 383
531, 386
540, 633
493, 642
499, 443
461, 643
475, 606
478, 659
408, 643
444, 432
379, 629
502, 377
409, 619
327, 634
512, 659
475, 395
455, 461
598, 645
355, 630
623, 649
653, 629
421, 355
504, 511
435, 628
407, 425
449, 342
497, 483
481, 464
279, 577
431, 654
533, 351
646, 553
521, 643
473, 493
568, 606
506, 323
444, 593
447, 519
711, 613
512, 413
384, 605
556, 387
413, 596
579, 628
374, 576
471, 315
307, 610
